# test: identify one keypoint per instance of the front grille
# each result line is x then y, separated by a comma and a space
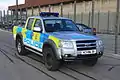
86, 41
86, 45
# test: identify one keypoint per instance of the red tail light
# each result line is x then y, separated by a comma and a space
94, 30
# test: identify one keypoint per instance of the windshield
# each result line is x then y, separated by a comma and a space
56, 25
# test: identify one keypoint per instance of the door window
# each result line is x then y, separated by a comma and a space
29, 24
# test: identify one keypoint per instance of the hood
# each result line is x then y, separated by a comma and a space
70, 35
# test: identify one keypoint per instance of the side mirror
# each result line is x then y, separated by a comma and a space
37, 29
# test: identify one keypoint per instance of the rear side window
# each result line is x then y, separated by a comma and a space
29, 24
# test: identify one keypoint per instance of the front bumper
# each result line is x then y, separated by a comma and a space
82, 57
73, 55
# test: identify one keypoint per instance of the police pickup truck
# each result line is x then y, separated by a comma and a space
57, 39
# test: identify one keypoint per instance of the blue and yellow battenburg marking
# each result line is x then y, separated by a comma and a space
34, 38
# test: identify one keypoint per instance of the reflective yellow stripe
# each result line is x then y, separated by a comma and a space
36, 36
15, 30
24, 32
56, 40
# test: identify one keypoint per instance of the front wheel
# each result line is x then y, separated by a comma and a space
51, 62
90, 62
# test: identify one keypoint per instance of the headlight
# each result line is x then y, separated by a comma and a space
66, 44
99, 43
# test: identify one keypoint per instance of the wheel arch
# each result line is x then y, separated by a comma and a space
50, 43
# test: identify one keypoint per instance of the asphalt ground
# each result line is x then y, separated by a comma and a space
31, 67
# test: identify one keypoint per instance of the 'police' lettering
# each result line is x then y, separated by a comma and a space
32, 43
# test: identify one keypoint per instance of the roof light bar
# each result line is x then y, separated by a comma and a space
49, 14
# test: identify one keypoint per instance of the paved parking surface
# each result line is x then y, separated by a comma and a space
31, 67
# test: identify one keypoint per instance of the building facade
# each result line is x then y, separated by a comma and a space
77, 10
33, 7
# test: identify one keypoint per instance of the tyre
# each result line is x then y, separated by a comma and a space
51, 62
20, 47
90, 62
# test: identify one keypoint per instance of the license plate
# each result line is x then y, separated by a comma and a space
87, 52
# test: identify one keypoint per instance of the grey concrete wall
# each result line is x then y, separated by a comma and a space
86, 7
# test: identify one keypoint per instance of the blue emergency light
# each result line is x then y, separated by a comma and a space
49, 14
